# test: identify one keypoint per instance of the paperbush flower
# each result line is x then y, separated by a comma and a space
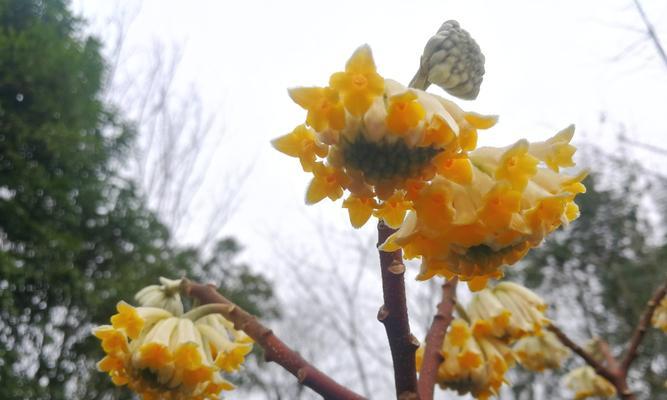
540, 352
490, 210
585, 383
473, 364
409, 158
377, 141
161, 356
659, 319
525, 308
476, 349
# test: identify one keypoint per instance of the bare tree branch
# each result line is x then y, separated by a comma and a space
615, 377
275, 349
434, 339
650, 31
645, 146
394, 315
639, 332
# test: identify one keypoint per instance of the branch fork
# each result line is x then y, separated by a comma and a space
615, 371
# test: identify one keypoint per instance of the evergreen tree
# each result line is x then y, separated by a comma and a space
75, 237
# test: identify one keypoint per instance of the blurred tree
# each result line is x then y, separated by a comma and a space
74, 235
599, 273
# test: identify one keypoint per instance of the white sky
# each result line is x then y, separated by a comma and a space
548, 63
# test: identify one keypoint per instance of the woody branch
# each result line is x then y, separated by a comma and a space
616, 372
274, 349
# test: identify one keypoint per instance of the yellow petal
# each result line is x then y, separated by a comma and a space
361, 61
404, 113
480, 121
359, 209
477, 283
458, 170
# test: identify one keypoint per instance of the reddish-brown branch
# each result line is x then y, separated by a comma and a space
643, 325
434, 338
274, 348
394, 315
616, 377
612, 362
617, 372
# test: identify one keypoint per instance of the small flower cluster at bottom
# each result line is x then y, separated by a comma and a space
477, 348
162, 356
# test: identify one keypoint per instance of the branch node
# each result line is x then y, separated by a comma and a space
396, 268
302, 374
383, 314
408, 396
414, 341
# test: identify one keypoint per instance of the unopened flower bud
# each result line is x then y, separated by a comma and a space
165, 296
452, 60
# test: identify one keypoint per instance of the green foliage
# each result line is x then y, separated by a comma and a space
75, 237
599, 273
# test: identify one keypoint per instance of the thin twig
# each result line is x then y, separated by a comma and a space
274, 348
612, 362
394, 315
436, 334
615, 377
644, 322
651, 33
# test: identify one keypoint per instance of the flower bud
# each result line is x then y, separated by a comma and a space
165, 296
452, 60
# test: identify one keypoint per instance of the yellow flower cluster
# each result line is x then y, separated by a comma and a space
540, 352
376, 139
473, 363
399, 151
476, 349
161, 356
508, 311
505, 206
585, 383
659, 319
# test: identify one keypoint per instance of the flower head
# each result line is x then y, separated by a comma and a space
585, 383
378, 141
411, 159
507, 312
489, 213
540, 352
160, 355
474, 364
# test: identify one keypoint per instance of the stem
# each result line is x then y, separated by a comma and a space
642, 327
274, 348
616, 377
434, 339
394, 315
615, 372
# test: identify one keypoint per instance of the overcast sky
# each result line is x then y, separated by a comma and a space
548, 64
